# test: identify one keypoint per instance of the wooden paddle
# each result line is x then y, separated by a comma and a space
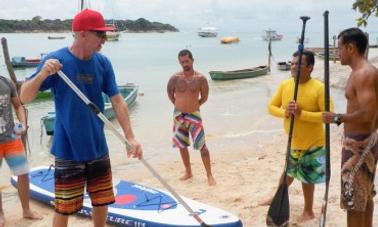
110, 125
279, 210
323, 214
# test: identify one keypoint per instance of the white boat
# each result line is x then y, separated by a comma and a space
272, 35
207, 32
113, 35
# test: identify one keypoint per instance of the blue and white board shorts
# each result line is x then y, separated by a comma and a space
14, 154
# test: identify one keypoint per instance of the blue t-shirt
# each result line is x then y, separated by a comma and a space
79, 133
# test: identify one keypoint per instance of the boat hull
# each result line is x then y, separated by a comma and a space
239, 74
129, 92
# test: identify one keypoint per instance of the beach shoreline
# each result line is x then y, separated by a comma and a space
245, 175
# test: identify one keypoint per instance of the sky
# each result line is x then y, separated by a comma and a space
187, 15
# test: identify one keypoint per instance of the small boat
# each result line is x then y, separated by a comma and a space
23, 62
239, 74
43, 95
129, 92
283, 65
229, 40
113, 35
319, 52
272, 35
56, 37
207, 32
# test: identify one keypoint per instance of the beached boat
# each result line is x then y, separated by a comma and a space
283, 65
207, 32
229, 40
56, 37
319, 52
271, 35
239, 74
129, 92
23, 62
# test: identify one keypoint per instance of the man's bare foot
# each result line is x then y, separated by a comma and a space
306, 216
2, 219
265, 202
29, 214
186, 176
211, 181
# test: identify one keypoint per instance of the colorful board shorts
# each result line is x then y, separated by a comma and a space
185, 123
72, 176
308, 166
358, 190
14, 154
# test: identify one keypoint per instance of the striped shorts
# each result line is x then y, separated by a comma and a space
185, 123
14, 154
72, 176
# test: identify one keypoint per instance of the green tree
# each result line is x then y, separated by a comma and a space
366, 8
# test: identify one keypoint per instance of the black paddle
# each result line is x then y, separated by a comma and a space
109, 124
279, 210
323, 214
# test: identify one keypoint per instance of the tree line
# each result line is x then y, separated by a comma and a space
36, 24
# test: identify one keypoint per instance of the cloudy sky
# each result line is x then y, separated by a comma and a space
227, 15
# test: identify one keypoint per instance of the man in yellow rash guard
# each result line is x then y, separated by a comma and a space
307, 155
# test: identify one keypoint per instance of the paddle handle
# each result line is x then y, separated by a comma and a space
109, 124
323, 215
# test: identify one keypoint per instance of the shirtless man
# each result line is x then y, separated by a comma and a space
360, 125
188, 90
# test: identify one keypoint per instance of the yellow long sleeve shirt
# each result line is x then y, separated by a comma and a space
308, 127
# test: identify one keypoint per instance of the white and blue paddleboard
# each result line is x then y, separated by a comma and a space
136, 205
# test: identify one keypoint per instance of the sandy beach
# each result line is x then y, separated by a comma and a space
244, 177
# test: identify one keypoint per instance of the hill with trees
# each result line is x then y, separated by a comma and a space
36, 24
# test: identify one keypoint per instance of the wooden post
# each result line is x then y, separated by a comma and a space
334, 50
270, 52
8, 63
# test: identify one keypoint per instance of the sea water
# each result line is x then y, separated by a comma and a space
235, 115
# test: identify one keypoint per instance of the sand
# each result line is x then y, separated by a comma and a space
243, 177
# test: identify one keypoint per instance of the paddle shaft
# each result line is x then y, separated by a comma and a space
323, 214
298, 74
109, 124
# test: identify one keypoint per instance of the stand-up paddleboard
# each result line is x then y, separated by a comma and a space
136, 205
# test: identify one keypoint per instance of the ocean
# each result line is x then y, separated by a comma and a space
235, 115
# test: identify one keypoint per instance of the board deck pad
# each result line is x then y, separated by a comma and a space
136, 205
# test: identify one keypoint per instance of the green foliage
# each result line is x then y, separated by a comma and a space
366, 8
57, 25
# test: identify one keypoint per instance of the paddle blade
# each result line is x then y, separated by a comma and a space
279, 210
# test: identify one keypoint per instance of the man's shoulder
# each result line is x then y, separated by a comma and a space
287, 82
367, 72
317, 82
198, 74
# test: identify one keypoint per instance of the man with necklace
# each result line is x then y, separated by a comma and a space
188, 90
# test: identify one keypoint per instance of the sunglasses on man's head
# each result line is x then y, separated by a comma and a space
100, 34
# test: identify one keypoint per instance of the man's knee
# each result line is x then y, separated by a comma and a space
204, 151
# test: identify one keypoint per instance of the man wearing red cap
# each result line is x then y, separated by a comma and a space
79, 146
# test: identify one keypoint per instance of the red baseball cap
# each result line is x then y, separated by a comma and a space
90, 20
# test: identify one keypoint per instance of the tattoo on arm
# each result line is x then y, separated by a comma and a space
171, 88
204, 90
